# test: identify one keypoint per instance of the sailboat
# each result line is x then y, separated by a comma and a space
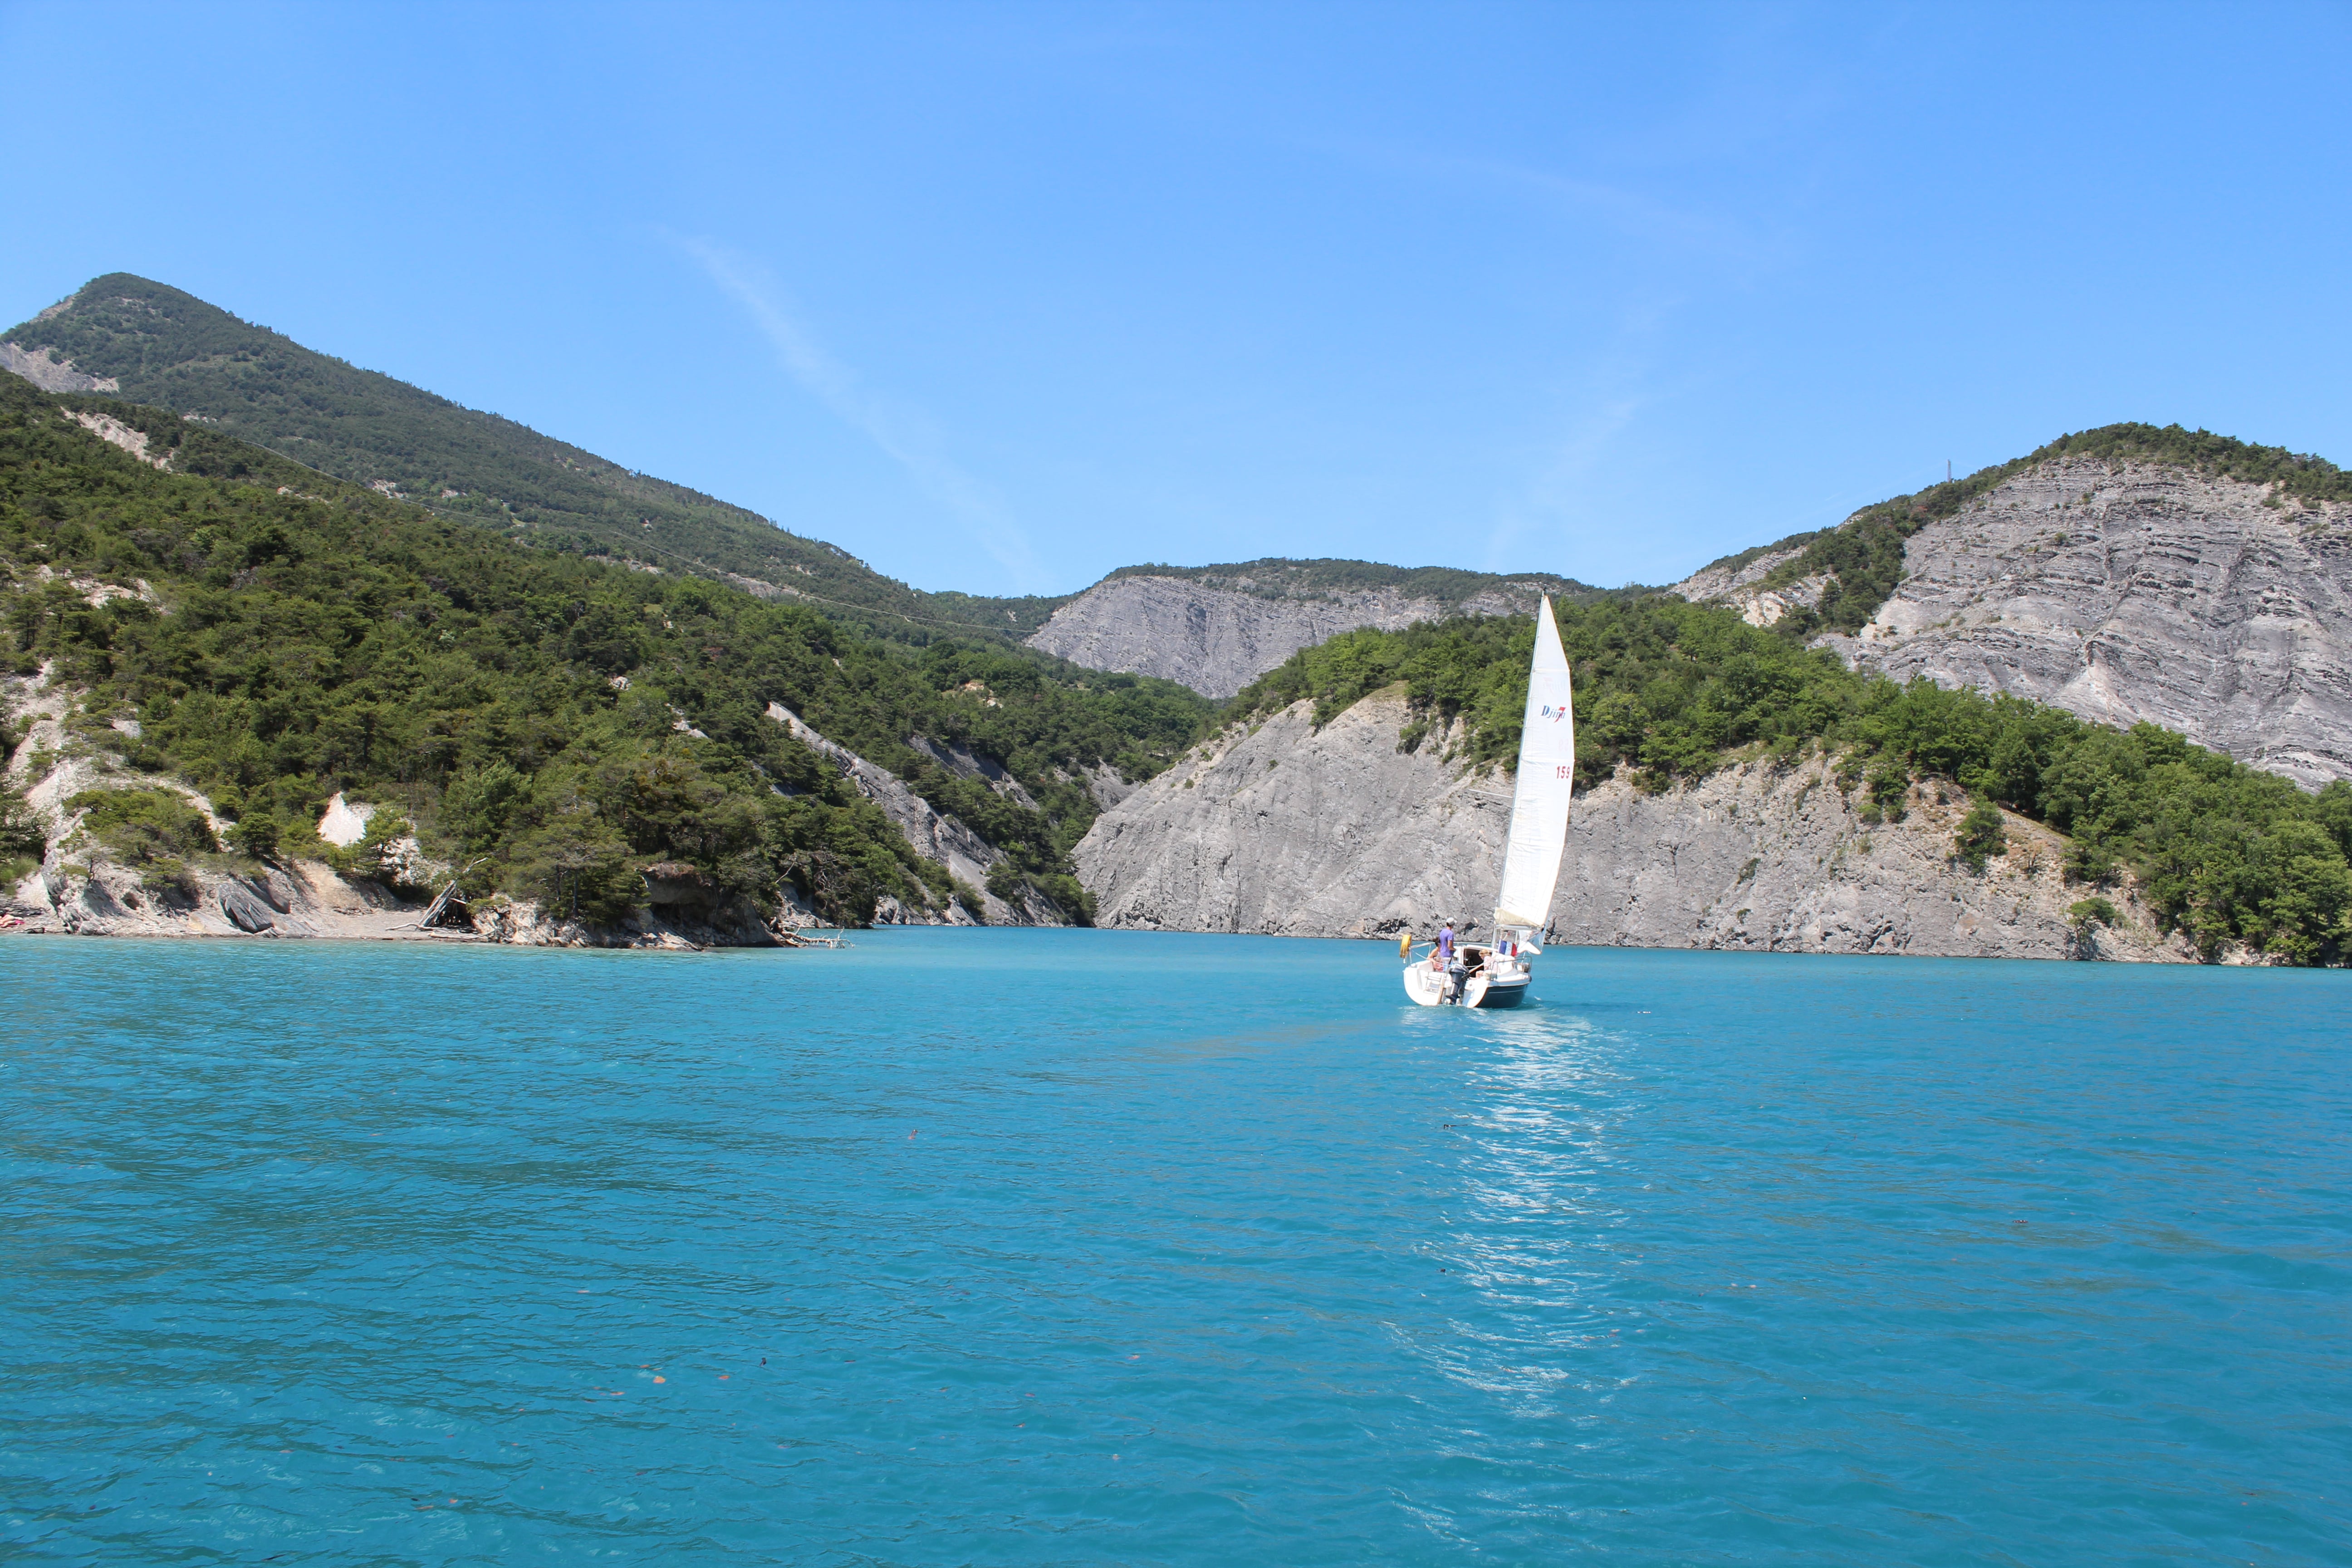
1538, 833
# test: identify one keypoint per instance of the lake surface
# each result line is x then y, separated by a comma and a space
1089, 1247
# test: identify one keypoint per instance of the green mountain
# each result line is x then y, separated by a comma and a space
557, 722
158, 346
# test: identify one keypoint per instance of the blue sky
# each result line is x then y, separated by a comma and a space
1000, 297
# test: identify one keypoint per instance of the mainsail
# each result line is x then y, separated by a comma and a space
1546, 776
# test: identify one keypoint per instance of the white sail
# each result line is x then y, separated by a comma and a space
1546, 776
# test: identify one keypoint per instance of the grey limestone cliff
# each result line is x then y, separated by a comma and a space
50, 373
2123, 593
1216, 639
1280, 828
1742, 587
2132, 591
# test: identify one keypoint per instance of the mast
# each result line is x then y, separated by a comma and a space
1547, 779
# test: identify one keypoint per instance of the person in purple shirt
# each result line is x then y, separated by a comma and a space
1448, 963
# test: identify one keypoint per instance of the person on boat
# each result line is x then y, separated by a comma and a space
1450, 959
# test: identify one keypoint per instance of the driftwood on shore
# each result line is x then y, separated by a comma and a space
440, 904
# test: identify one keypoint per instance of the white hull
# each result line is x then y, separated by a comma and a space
1426, 987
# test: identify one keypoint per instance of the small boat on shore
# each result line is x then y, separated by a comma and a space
1497, 975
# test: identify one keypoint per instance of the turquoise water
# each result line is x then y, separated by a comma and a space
1087, 1248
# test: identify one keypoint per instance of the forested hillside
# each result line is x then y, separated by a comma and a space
560, 721
1673, 690
170, 349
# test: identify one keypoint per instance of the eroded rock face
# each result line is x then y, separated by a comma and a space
92, 896
934, 835
1289, 831
307, 898
244, 908
1740, 587
2131, 592
675, 883
1105, 782
965, 763
1217, 640
51, 375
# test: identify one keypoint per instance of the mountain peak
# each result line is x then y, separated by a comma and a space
162, 346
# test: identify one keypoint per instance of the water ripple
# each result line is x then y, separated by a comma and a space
1042, 1247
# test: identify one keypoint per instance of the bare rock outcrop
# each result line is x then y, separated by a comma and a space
1217, 638
1104, 782
243, 907
935, 835
2130, 592
965, 763
344, 822
37, 366
86, 894
1741, 586
1279, 828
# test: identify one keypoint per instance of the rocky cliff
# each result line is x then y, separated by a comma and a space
2121, 591
1283, 829
2132, 591
50, 373
1740, 586
1216, 636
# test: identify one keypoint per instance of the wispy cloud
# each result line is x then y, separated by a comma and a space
1558, 498
1699, 235
905, 435
1688, 229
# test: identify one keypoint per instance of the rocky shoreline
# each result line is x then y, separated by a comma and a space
307, 900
